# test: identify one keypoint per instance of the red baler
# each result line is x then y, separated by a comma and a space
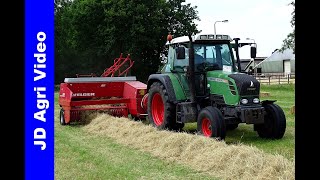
119, 96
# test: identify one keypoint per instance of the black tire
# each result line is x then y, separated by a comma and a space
161, 112
62, 119
210, 123
274, 125
231, 127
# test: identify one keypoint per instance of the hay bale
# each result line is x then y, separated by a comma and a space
264, 94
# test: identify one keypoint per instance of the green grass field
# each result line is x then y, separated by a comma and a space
79, 155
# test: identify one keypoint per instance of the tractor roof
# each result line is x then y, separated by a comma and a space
200, 37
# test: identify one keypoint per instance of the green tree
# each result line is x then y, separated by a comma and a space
289, 42
65, 53
181, 18
91, 33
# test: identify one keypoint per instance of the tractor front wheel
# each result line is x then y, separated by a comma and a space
274, 123
210, 123
161, 112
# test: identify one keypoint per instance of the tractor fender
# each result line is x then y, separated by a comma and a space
166, 81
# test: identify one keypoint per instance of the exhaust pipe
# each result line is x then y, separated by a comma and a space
236, 48
192, 85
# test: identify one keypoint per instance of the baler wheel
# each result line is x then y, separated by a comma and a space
62, 119
210, 123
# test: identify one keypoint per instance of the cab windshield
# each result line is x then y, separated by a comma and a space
216, 56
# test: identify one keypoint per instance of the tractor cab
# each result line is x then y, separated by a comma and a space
211, 52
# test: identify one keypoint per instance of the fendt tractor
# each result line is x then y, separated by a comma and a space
202, 82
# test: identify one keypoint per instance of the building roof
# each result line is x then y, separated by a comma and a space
279, 56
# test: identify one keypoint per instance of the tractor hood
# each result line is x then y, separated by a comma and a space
232, 86
247, 85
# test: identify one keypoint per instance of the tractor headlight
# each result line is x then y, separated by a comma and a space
256, 100
244, 101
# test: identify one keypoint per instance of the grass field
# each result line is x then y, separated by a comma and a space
82, 155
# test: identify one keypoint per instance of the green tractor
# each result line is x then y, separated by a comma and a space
202, 82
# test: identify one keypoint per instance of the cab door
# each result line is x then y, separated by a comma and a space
180, 65
199, 71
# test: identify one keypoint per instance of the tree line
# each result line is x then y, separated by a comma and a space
90, 34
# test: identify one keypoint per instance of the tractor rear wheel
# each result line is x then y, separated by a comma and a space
161, 112
210, 123
274, 123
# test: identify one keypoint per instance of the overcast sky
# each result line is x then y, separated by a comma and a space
265, 21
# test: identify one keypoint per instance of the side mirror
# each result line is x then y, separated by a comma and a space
253, 51
181, 53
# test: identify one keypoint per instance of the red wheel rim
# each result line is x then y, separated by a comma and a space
157, 109
206, 127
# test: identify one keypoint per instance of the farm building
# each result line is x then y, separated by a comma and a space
278, 62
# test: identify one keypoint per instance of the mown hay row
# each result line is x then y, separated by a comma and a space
200, 153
